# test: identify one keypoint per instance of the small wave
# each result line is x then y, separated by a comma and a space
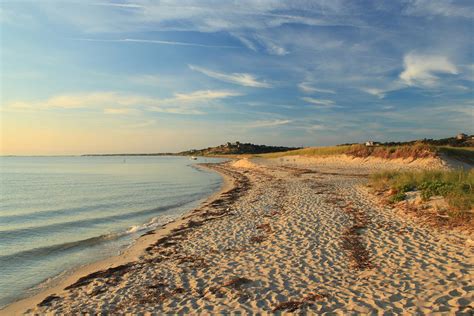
153, 223
35, 253
171, 192
37, 231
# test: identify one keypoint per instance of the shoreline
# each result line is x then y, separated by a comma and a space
131, 253
284, 237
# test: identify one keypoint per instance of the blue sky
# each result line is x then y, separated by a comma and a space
147, 76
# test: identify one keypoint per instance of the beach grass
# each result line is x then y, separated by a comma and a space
412, 151
310, 151
418, 150
415, 151
456, 186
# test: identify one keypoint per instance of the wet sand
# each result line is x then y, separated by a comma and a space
281, 236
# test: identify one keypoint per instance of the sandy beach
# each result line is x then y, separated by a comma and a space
283, 235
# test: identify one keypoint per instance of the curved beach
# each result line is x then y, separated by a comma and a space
278, 237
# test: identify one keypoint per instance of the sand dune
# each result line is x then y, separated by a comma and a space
288, 237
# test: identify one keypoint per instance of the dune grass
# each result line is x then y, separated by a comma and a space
456, 186
362, 151
415, 151
309, 151
418, 150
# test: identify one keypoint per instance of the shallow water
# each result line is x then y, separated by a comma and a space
57, 213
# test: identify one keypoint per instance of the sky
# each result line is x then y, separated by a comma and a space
161, 76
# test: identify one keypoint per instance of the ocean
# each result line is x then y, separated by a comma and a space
58, 213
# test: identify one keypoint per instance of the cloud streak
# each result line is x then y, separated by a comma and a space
268, 123
308, 88
202, 95
439, 7
242, 79
319, 102
119, 5
148, 41
201, 15
380, 93
118, 111
119, 103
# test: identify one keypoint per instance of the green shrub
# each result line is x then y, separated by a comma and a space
455, 186
397, 197
433, 188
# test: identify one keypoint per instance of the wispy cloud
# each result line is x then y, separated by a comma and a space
318, 127
308, 88
319, 102
247, 42
421, 70
76, 101
271, 47
118, 111
259, 42
202, 95
120, 103
380, 93
120, 5
146, 79
142, 124
201, 15
440, 7
149, 41
268, 123
243, 79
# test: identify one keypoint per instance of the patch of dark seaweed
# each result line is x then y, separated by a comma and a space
265, 227
111, 272
236, 282
291, 306
258, 239
151, 232
352, 240
48, 300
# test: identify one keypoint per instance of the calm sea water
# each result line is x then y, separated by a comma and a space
57, 213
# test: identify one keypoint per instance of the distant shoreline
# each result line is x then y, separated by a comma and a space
95, 155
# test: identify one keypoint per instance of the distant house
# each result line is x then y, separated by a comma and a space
370, 143
461, 136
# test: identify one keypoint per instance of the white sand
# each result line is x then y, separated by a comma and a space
312, 239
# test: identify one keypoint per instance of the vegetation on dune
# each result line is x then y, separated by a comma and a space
460, 147
416, 151
461, 140
456, 186
310, 151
